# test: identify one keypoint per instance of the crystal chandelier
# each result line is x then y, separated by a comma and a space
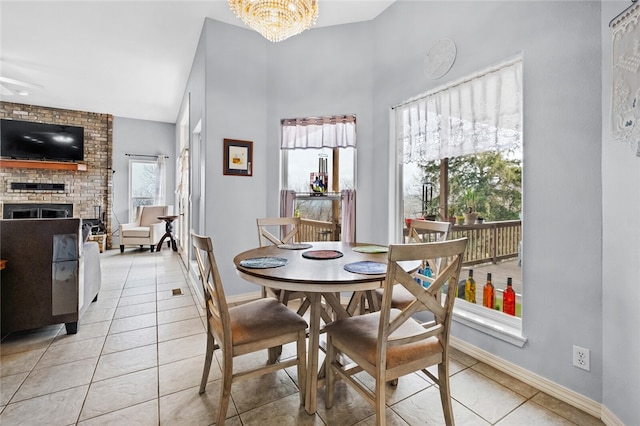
276, 20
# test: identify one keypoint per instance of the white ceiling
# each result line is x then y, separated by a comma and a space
126, 58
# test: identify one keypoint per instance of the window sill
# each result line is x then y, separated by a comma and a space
493, 323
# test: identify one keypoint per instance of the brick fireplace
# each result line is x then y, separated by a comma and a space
84, 191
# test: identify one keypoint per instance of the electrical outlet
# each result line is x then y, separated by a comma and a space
581, 358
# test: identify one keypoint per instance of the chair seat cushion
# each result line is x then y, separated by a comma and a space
360, 333
262, 319
136, 232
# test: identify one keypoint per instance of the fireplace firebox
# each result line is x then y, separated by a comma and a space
36, 211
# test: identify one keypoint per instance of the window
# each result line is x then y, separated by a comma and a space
459, 151
318, 166
144, 180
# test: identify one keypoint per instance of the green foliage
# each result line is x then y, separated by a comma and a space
489, 182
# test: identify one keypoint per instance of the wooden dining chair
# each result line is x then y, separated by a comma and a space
257, 325
390, 343
289, 227
420, 231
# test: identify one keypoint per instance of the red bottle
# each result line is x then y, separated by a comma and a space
488, 293
509, 299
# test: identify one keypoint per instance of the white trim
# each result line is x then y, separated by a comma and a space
610, 419
194, 282
493, 323
395, 185
553, 389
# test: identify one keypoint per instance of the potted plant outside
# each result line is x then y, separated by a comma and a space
452, 214
471, 215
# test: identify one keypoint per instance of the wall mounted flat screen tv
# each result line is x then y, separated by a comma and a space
39, 141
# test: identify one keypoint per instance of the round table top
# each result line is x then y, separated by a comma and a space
168, 217
316, 275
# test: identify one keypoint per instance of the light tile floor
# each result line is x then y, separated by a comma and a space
138, 356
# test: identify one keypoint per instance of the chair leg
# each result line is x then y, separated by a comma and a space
152, 248
329, 373
121, 249
302, 365
274, 354
207, 362
445, 392
381, 419
304, 306
225, 391
284, 297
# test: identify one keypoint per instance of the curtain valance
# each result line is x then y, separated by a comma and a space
481, 113
319, 132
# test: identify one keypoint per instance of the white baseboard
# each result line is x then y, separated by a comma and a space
194, 283
610, 419
572, 398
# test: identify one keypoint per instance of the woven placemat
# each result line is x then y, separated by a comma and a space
371, 249
322, 254
296, 246
263, 262
366, 267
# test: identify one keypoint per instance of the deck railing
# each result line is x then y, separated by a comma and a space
318, 230
489, 241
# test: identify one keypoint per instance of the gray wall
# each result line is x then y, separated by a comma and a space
562, 264
326, 71
233, 107
366, 68
620, 253
132, 136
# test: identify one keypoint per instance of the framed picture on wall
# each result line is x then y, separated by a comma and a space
238, 157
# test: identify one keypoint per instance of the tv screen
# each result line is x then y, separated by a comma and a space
39, 141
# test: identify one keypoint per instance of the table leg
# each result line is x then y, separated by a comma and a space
159, 247
314, 345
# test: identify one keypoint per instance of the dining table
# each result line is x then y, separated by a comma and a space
321, 270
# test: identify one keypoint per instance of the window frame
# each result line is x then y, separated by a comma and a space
131, 198
493, 323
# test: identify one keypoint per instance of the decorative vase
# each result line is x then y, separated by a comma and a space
470, 218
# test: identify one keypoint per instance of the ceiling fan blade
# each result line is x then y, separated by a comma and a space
19, 83
5, 91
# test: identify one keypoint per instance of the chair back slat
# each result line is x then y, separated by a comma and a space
450, 255
404, 340
287, 226
215, 301
426, 231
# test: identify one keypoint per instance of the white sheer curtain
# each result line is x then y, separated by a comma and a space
319, 132
348, 216
481, 113
161, 181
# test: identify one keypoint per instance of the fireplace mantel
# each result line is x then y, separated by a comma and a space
49, 165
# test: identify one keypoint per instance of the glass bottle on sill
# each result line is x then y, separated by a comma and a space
470, 288
509, 299
488, 293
